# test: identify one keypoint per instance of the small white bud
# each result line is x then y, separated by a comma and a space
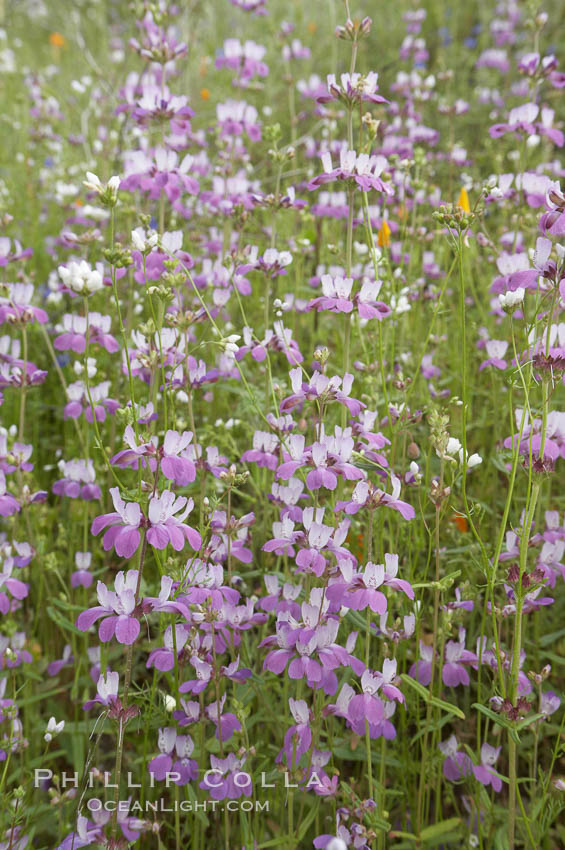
53, 729
509, 300
474, 460
93, 182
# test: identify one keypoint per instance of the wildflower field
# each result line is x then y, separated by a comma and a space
282, 424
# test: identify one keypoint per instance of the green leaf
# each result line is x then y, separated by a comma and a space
448, 707
408, 680
431, 832
500, 721
424, 693
308, 820
527, 721
62, 621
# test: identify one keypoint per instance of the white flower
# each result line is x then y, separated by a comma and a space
169, 702
81, 278
453, 447
144, 241
229, 343
509, 300
53, 729
474, 460
108, 193
93, 183
91, 366
138, 241
336, 844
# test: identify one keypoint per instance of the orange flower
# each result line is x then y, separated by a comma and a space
205, 94
463, 200
383, 236
57, 40
461, 522
356, 543
312, 27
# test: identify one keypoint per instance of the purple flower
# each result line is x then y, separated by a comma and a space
136, 454
336, 295
466, 605
496, 349
337, 298
72, 333
367, 495
230, 535
205, 581
273, 601
279, 339
323, 389
236, 117
18, 254
79, 402
319, 538
493, 58
366, 706
457, 765
484, 772
531, 437
16, 458
117, 609
12, 652
86, 833
265, 450
353, 89
67, 659
16, 588
246, 59
363, 592
363, 170
203, 670
226, 778
256, 6
163, 526
298, 739
523, 119
8, 504
549, 703
16, 305
124, 523
188, 713
161, 172
82, 577
164, 766
106, 691
175, 465
164, 659
158, 104
78, 481
421, 670
226, 724
456, 656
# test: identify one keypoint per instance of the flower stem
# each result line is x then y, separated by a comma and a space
127, 682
